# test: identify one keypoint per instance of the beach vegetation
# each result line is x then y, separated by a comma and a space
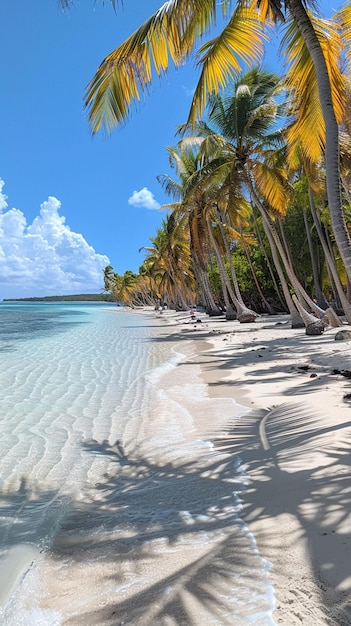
312, 47
121, 287
78, 297
235, 166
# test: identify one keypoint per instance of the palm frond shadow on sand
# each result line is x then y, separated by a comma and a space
281, 448
184, 512
141, 508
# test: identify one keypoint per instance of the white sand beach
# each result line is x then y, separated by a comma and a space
295, 445
159, 542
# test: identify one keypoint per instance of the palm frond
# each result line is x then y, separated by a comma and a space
343, 19
125, 74
219, 59
272, 185
309, 128
170, 186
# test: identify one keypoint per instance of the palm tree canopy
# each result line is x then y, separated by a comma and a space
171, 34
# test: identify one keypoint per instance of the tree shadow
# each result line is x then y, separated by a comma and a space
187, 516
267, 364
29, 517
176, 522
28, 514
281, 448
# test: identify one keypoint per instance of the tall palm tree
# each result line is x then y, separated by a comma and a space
247, 120
186, 166
172, 33
247, 156
201, 203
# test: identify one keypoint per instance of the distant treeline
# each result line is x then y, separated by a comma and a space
81, 297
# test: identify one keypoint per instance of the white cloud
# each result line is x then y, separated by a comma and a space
144, 199
45, 257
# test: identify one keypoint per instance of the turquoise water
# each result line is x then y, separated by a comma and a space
108, 503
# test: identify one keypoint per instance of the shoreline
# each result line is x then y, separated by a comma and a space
294, 444
224, 498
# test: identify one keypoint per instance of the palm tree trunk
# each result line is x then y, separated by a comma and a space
269, 308
307, 31
321, 301
226, 287
284, 305
314, 325
204, 284
298, 288
229, 257
296, 320
287, 249
348, 290
244, 314
332, 268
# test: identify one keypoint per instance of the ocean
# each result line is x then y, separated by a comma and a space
115, 506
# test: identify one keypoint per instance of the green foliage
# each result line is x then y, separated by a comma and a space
80, 297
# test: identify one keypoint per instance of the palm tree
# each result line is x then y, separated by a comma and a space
186, 165
332, 108
245, 153
201, 203
169, 263
172, 32
121, 287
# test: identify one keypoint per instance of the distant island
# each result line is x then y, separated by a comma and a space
81, 297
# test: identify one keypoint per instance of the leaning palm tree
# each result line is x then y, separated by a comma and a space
121, 287
169, 263
245, 153
200, 202
186, 166
172, 33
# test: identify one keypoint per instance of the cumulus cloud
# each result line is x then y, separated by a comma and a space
45, 257
144, 199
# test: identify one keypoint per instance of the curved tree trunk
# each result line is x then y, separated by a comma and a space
298, 288
244, 314
204, 284
321, 301
344, 302
286, 247
229, 257
296, 320
230, 312
284, 305
314, 325
269, 308
307, 31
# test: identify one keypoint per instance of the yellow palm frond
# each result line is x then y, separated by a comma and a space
169, 34
309, 128
343, 19
272, 185
269, 10
241, 40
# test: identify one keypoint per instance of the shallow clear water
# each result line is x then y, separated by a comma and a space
101, 462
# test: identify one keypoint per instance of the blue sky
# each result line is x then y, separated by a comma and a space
70, 203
